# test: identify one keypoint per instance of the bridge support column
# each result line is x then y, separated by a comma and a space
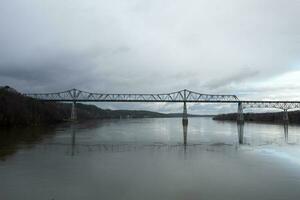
184, 115
240, 115
240, 128
285, 116
184, 123
73, 111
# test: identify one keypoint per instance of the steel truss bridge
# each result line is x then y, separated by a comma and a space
179, 96
182, 96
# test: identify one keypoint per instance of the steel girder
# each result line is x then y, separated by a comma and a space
179, 96
283, 105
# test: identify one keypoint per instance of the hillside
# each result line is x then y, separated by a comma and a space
272, 117
17, 110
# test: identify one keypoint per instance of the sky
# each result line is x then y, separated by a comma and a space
250, 48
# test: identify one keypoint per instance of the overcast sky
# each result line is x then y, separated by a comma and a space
250, 48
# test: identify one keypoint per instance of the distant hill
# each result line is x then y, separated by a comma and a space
189, 115
93, 112
272, 117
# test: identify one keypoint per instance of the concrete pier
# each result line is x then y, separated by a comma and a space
184, 115
240, 128
285, 116
184, 123
240, 114
285, 119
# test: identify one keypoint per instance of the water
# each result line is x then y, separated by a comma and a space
145, 159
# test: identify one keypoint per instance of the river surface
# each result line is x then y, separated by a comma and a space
136, 159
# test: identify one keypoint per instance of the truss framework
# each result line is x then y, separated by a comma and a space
284, 105
75, 95
179, 96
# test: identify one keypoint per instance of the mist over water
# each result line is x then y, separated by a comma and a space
146, 159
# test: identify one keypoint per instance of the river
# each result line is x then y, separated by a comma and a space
146, 159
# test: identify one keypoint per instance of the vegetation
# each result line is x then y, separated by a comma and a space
274, 117
18, 110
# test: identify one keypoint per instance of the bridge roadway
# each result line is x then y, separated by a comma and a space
182, 96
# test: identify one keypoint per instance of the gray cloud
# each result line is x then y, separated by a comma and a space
147, 46
236, 77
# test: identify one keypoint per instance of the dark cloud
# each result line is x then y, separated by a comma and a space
147, 46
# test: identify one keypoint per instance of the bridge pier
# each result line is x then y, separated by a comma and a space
240, 128
184, 115
184, 124
240, 115
73, 111
285, 116
286, 124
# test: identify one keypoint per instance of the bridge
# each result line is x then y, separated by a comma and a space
183, 96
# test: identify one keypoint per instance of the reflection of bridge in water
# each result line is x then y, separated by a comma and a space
183, 96
73, 146
123, 147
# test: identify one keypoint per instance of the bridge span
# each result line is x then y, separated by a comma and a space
183, 96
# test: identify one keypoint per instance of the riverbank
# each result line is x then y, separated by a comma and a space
17, 110
272, 117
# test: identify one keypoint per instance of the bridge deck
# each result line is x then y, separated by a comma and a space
181, 96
